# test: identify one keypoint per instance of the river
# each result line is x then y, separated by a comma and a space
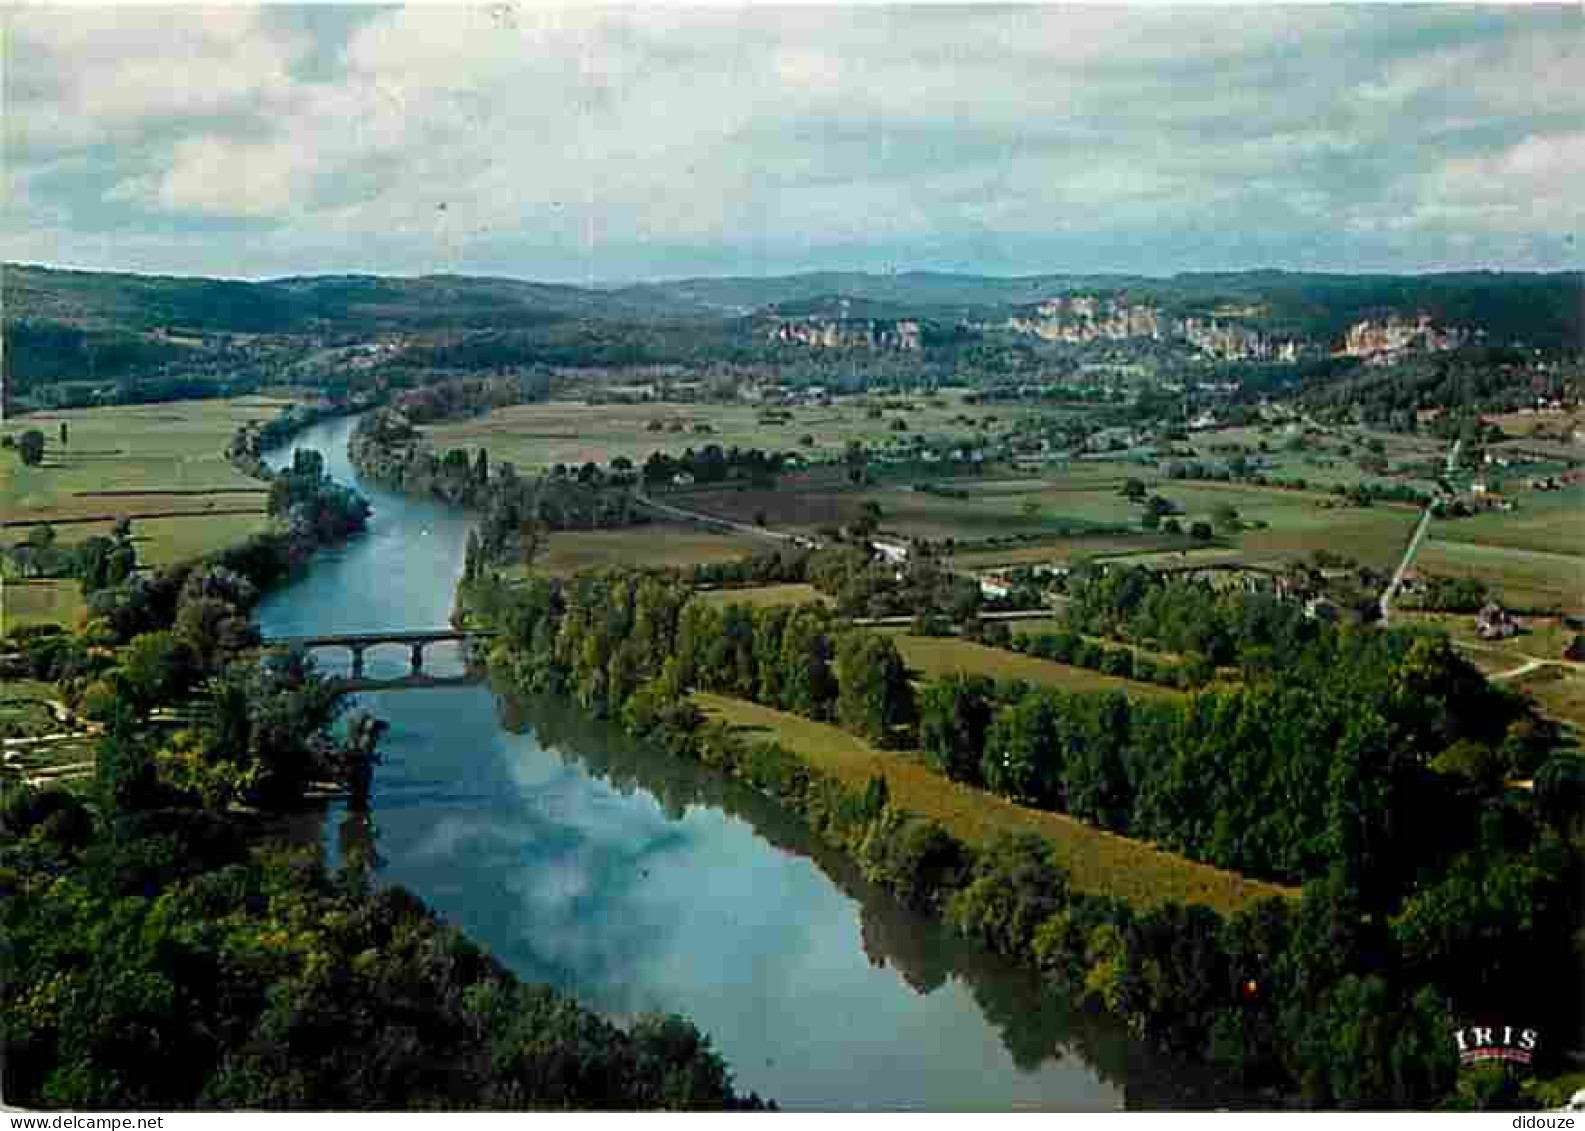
638, 882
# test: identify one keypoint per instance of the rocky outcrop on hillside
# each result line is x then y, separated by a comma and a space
1081, 319
1228, 341
1089, 318
902, 335
1383, 341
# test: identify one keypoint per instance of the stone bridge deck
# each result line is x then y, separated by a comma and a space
359, 642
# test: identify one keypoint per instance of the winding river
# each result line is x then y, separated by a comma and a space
638, 882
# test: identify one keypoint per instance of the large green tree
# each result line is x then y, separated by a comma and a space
874, 697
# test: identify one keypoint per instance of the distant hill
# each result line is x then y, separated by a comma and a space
88, 330
743, 295
1540, 309
1545, 308
94, 300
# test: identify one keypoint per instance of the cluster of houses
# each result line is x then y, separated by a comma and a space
1494, 622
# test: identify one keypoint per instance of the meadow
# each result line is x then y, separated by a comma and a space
1329, 458
1080, 512
164, 464
764, 596
575, 432
1520, 578
935, 656
1559, 692
658, 545
1543, 521
1098, 862
1539, 637
24, 708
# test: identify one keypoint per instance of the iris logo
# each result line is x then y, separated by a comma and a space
1478, 1043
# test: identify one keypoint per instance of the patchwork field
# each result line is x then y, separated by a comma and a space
1559, 692
1521, 578
1540, 637
1098, 862
1147, 549
141, 452
163, 464
1545, 521
575, 432
1330, 458
24, 708
946, 655
652, 544
1084, 516
39, 601
765, 596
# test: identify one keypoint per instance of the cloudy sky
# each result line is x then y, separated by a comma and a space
621, 143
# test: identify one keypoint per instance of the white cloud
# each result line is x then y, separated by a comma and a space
1532, 185
218, 176
87, 76
603, 132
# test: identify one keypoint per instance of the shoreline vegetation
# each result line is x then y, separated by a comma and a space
1333, 844
1343, 993
155, 891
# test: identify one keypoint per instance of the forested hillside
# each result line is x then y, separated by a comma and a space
77, 337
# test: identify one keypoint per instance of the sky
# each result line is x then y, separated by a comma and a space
600, 145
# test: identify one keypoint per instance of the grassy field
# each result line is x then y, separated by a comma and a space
24, 708
1098, 862
1079, 512
1066, 551
1374, 536
944, 655
575, 432
1541, 637
157, 448
1022, 508
1545, 521
1522, 578
1558, 426
763, 596
1558, 689
1328, 459
156, 460
40, 601
1559, 692
652, 544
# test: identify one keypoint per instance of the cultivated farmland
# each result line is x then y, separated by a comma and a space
1099, 862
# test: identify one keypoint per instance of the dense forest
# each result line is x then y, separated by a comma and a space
1375, 773
167, 950
77, 337
1458, 384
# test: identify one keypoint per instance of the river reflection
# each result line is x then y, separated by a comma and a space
639, 882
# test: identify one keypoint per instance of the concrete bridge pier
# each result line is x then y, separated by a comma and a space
418, 659
357, 651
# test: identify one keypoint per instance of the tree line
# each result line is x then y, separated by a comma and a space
1353, 775
165, 952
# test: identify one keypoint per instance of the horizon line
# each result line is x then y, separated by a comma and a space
664, 280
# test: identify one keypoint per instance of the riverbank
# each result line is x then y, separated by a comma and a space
1250, 989
637, 891
685, 908
1011, 893
143, 453
1098, 863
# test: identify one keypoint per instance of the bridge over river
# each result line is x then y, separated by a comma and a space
358, 643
